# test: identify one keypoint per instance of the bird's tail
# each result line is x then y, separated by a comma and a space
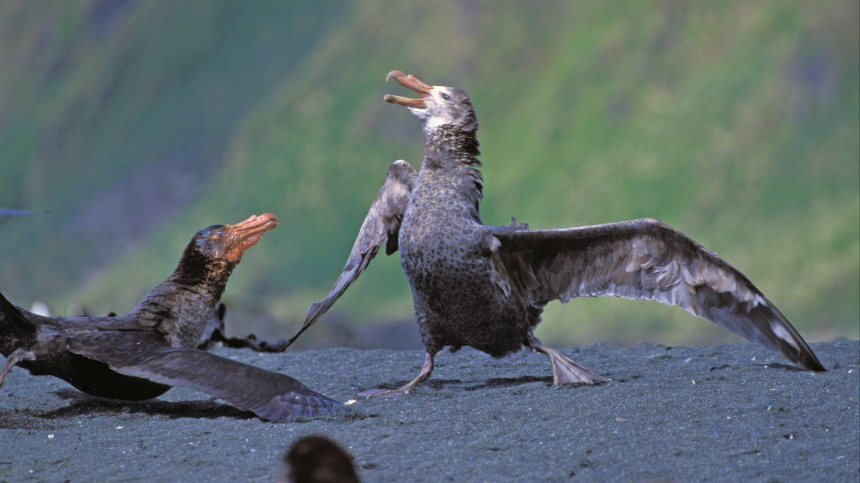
11, 318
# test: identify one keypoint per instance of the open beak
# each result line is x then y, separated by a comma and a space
409, 82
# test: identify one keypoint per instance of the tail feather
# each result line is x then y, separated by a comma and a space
12, 317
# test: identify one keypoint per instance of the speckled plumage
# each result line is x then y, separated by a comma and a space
142, 354
485, 287
445, 249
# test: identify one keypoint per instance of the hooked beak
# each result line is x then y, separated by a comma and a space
247, 233
255, 225
409, 82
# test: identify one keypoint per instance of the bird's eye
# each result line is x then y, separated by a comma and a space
220, 233
446, 97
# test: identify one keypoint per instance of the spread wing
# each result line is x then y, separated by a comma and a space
643, 259
270, 395
381, 225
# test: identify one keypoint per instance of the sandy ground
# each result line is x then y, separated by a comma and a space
686, 414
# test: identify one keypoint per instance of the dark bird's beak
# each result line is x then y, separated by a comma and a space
246, 234
255, 225
410, 82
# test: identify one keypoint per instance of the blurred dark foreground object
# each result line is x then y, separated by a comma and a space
316, 459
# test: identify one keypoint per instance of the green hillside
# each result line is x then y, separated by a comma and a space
137, 122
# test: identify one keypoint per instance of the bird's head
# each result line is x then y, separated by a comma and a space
227, 243
203, 270
437, 106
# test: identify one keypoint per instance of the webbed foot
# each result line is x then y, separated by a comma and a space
384, 393
564, 369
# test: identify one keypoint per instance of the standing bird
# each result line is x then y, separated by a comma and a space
142, 354
485, 287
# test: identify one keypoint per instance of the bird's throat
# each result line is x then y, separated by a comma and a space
447, 144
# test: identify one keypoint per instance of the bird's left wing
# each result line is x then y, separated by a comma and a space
270, 395
381, 225
643, 259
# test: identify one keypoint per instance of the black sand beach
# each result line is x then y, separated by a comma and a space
686, 414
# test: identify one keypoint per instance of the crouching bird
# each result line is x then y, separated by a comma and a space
142, 354
486, 286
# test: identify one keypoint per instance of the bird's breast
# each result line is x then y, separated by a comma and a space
443, 258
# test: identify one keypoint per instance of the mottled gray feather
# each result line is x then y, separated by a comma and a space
643, 259
381, 225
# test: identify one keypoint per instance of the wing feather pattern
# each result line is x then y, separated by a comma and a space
381, 225
643, 259
270, 395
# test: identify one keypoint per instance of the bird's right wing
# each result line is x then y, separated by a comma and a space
270, 395
382, 225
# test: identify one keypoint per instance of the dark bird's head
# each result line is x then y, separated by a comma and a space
215, 251
316, 459
229, 242
437, 106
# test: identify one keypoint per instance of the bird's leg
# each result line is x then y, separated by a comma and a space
564, 369
14, 358
426, 370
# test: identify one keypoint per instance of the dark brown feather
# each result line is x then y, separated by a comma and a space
271, 396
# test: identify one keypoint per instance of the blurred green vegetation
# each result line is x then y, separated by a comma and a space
138, 122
